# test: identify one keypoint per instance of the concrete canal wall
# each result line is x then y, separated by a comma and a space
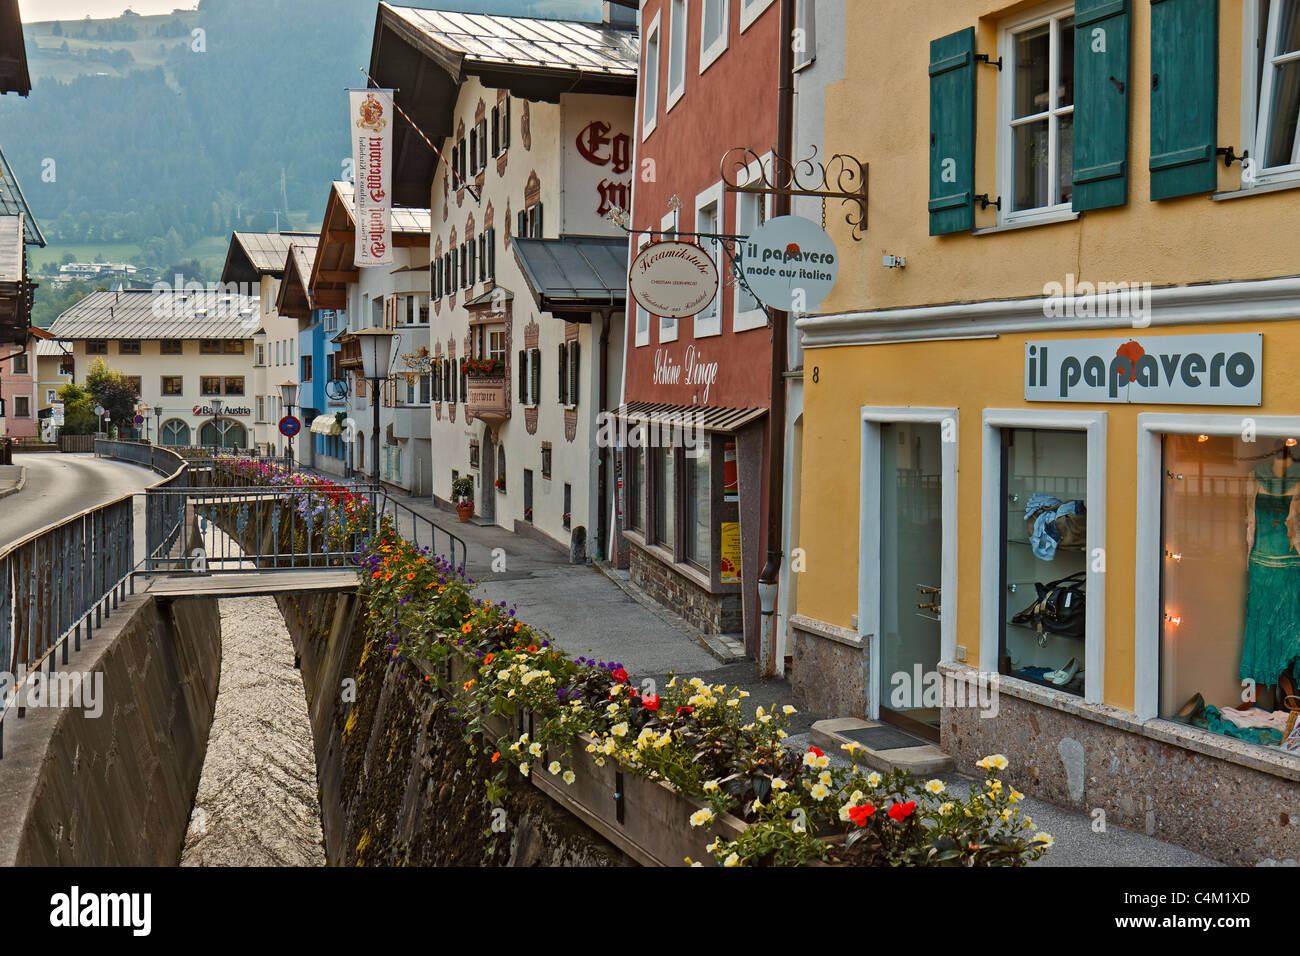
115, 789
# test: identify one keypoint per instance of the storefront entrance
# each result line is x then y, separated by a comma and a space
908, 559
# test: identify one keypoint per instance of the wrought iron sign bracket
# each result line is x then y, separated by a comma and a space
1229, 154
841, 177
984, 58
984, 201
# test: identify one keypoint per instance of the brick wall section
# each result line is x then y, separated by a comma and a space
711, 613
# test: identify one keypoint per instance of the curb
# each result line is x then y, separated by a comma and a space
22, 480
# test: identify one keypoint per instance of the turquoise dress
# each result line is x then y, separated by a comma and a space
1272, 640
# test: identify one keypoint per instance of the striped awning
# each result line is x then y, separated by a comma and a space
326, 425
709, 417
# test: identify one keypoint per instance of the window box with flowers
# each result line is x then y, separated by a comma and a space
500, 485
485, 385
484, 367
568, 519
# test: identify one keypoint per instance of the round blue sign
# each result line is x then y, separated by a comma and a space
139, 419
290, 426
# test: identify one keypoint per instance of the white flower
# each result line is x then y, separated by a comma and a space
713, 847
523, 768
935, 787
732, 860
600, 761
711, 786
824, 777
993, 762
778, 783
701, 817
619, 729
535, 749
788, 710
569, 777
1046, 839
554, 767
820, 792
873, 779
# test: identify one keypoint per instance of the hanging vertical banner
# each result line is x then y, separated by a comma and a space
371, 115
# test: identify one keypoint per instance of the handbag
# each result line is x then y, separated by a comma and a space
1059, 608
1071, 529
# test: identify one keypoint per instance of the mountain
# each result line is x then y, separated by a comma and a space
162, 134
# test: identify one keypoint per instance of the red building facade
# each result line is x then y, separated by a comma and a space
694, 517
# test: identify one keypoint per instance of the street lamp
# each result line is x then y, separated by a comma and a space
216, 424
289, 399
376, 355
157, 423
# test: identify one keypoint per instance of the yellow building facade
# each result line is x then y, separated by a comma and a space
1049, 457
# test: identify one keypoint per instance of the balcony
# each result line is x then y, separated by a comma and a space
487, 398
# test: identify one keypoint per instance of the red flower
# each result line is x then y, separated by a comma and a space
814, 750
650, 702
685, 710
901, 811
620, 675
859, 814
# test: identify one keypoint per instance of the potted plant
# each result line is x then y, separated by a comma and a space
500, 484
462, 493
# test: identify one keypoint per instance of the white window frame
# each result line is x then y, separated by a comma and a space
1254, 108
669, 327
992, 507
641, 335
751, 10
703, 327
679, 16
649, 85
719, 46
750, 318
870, 491
1006, 97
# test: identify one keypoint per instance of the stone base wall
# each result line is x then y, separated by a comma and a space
117, 789
710, 613
1163, 779
829, 674
399, 785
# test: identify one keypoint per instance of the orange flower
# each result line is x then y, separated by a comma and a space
516, 628
376, 574
532, 648
411, 576
469, 684
388, 576
466, 628
496, 756
488, 659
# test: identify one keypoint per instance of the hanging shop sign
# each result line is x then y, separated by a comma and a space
371, 129
673, 279
1151, 369
790, 264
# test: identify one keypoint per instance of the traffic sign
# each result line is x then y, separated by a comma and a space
290, 426
139, 419
99, 409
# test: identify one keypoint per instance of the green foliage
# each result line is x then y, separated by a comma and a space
78, 411
110, 388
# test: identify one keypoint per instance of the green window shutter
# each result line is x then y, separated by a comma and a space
523, 377
952, 133
1101, 98
562, 366
1184, 96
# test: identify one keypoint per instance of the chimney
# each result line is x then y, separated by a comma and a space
617, 15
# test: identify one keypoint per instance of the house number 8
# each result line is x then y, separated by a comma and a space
817, 374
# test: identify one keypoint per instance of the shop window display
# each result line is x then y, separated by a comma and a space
1231, 587
1044, 556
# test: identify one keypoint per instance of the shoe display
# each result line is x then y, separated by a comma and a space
1063, 676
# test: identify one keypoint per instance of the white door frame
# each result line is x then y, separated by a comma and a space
992, 507
873, 417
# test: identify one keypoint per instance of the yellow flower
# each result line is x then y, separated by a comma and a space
711, 786
993, 762
619, 729
732, 860
851, 748
945, 808
1016, 795
701, 817
1046, 839
788, 710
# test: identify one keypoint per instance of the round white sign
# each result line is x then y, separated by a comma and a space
790, 263
99, 409
673, 279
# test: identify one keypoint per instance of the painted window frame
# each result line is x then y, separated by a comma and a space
756, 318
641, 336
650, 85
670, 329
710, 52
751, 10
1093, 424
1007, 30
682, 17
870, 496
713, 196
1254, 116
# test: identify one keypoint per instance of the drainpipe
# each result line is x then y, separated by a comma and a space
767, 580
603, 455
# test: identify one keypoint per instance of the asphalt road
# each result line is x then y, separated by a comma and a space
61, 485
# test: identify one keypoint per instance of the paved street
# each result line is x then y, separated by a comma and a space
61, 485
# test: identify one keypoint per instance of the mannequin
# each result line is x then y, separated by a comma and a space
1272, 637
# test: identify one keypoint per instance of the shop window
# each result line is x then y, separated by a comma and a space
96, 346
1038, 128
696, 495
665, 498
1276, 86
1044, 556
634, 494
1230, 585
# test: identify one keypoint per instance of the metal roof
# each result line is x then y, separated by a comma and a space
14, 203
145, 314
709, 417
267, 250
48, 347
527, 41
574, 272
12, 256
407, 220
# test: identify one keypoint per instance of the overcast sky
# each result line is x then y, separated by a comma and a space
36, 10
